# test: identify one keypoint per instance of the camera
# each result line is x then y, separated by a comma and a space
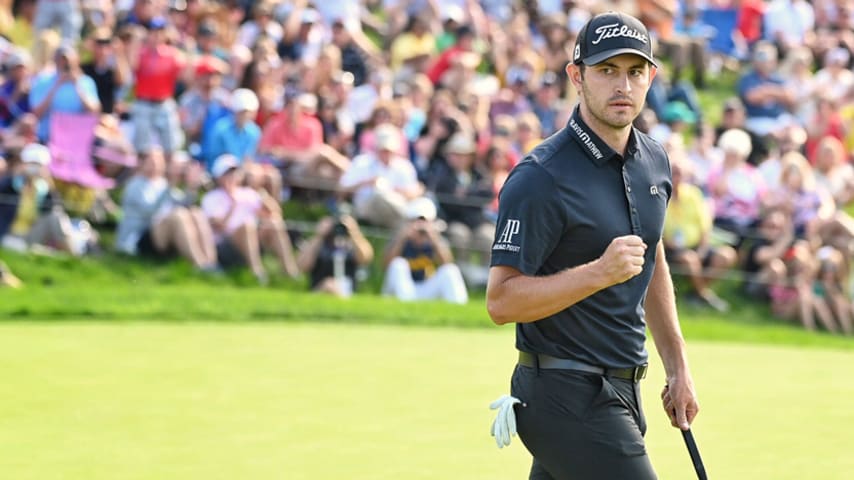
339, 229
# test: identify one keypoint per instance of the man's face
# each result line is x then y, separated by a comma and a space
385, 155
210, 81
244, 116
614, 91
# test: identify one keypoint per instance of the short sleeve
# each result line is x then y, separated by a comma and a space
213, 206
530, 219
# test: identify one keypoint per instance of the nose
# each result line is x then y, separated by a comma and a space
624, 84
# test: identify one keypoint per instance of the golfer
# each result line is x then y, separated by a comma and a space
578, 265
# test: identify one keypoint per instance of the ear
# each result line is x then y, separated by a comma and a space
652, 72
573, 72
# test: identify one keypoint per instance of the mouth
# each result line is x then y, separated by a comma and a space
620, 104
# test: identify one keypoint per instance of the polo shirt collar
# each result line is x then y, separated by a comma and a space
596, 149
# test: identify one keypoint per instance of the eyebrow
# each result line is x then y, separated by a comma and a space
614, 65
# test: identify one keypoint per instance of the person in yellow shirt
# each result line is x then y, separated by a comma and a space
16, 22
687, 231
414, 47
31, 213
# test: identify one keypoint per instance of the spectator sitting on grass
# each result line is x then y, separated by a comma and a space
687, 231
463, 193
735, 186
781, 270
156, 218
419, 265
292, 140
809, 208
30, 212
831, 284
383, 183
332, 257
833, 172
244, 222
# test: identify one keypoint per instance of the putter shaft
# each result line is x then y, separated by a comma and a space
695, 454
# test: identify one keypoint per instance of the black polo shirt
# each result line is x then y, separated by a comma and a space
560, 208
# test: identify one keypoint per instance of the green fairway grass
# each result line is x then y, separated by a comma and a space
272, 400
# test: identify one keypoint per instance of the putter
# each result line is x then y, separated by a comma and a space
695, 454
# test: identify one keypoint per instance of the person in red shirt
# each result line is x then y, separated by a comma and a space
464, 43
157, 69
293, 141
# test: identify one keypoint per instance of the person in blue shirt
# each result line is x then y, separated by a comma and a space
67, 89
238, 134
767, 99
14, 93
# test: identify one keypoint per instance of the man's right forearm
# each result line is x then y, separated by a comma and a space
525, 299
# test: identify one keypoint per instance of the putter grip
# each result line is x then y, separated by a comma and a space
695, 454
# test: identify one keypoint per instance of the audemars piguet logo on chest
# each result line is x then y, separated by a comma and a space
613, 30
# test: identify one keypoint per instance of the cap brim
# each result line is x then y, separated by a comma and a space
602, 56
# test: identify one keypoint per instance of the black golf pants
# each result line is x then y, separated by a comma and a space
581, 426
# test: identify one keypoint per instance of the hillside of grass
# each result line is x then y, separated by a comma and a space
110, 287
119, 289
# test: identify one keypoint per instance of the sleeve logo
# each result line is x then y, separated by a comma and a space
505, 240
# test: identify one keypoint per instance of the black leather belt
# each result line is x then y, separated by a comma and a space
554, 363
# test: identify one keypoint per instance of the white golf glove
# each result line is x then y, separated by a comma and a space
504, 425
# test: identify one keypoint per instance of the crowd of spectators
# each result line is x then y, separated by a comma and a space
192, 121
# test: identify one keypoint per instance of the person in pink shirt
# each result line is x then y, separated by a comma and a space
293, 141
736, 187
244, 222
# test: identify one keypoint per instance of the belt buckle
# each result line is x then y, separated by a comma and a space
639, 372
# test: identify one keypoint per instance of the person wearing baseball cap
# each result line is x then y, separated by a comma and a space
238, 134
578, 265
244, 222
31, 211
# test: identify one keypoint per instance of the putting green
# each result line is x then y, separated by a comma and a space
313, 401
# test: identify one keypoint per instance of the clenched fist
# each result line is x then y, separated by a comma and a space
622, 260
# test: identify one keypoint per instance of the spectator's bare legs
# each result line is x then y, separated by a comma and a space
691, 260
178, 229
52, 229
273, 181
841, 309
274, 235
722, 259
245, 239
824, 313
205, 234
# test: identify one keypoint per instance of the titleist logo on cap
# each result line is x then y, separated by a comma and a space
617, 30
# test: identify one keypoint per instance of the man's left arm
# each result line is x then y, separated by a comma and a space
679, 398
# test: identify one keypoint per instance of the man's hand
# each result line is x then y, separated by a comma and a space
324, 226
680, 401
623, 259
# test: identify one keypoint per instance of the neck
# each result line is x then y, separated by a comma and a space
616, 138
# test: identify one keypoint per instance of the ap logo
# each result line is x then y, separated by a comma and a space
511, 228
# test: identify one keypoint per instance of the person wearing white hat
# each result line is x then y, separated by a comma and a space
31, 212
244, 222
383, 183
238, 134
463, 192
14, 93
419, 264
